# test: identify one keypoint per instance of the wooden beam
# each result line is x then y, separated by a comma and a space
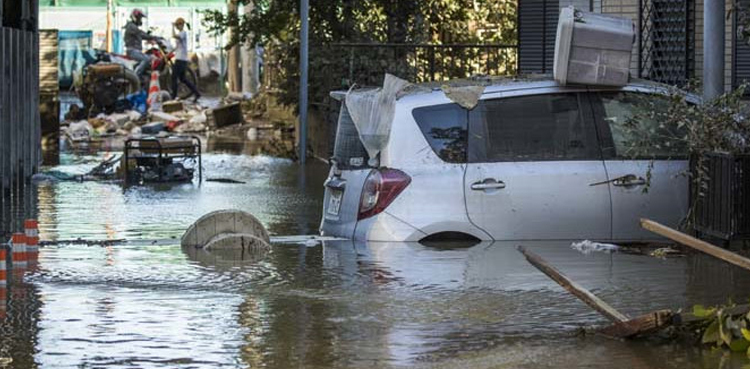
695, 243
644, 324
578, 291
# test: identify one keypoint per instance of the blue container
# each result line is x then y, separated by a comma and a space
138, 101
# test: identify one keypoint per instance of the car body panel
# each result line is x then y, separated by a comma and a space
350, 183
386, 227
541, 200
665, 200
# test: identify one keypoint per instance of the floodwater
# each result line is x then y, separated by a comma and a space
148, 303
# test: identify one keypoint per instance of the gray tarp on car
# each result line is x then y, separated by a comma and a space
373, 110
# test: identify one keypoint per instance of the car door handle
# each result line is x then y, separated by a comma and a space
629, 181
487, 184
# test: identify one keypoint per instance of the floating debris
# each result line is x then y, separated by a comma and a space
586, 247
666, 252
224, 180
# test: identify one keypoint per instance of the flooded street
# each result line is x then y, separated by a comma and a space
339, 304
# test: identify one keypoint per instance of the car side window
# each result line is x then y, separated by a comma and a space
445, 128
532, 128
623, 114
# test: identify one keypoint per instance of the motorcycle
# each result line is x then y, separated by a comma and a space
163, 61
112, 76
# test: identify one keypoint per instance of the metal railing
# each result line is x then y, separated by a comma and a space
365, 63
666, 46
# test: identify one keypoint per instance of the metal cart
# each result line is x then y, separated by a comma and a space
162, 159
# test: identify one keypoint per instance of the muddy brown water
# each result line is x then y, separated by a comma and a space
339, 304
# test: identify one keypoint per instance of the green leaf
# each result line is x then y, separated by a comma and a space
724, 332
701, 312
746, 333
711, 335
739, 345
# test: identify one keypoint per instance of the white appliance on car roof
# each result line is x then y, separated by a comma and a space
593, 49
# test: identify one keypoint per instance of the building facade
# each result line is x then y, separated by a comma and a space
668, 45
91, 16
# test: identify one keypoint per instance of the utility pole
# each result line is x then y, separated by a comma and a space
109, 26
713, 53
304, 15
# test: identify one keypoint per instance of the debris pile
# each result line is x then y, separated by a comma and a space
179, 117
237, 116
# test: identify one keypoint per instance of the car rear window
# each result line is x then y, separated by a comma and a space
532, 128
348, 150
445, 127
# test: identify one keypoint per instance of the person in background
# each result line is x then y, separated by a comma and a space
134, 37
181, 61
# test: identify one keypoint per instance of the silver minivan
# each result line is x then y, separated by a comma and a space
532, 161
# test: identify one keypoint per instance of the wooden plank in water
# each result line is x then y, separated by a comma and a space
641, 325
695, 243
574, 288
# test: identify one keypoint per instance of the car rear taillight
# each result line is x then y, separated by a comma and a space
381, 187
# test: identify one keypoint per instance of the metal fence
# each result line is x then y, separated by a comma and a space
422, 62
666, 46
20, 128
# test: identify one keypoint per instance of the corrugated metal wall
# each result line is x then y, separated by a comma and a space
19, 119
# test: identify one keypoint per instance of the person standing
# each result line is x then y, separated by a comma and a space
181, 61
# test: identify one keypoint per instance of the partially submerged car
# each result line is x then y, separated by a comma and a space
531, 160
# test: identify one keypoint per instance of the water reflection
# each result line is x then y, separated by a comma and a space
340, 304
407, 305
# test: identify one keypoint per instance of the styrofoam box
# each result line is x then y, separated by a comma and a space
593, 49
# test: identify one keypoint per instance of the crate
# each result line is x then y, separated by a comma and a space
227, 115
724, 209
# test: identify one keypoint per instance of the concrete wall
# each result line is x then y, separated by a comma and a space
625, 8
588, 5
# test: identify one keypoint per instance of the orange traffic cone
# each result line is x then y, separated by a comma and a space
154, 91
31, 228
18, 260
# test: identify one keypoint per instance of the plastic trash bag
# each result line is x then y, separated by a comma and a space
372, 112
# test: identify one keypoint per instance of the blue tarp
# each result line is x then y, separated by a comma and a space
118, 47
75, 53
